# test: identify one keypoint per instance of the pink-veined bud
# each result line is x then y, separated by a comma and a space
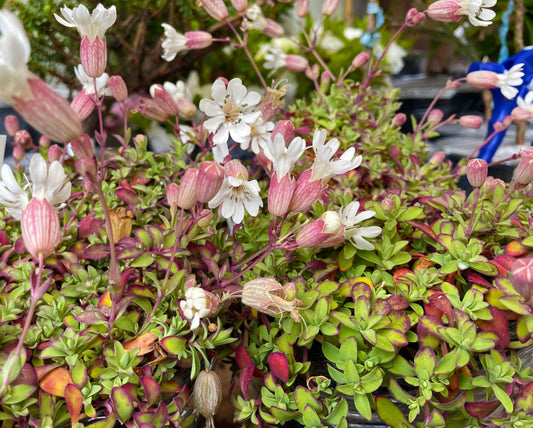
186, 108
187, 189
40, 228
286, 129
329, 7
216, 8
325, 78
437, 158
11, 123
44, 141
435, 116
414, 17
476, 172
83, 105
306, 192
279, 194
239, 5
387, 204
273, 29
172, 194
471, 121
82, 147
93, 56
234, 168
523, 173
296, 63
198, 39
318, 231
150, 109
164, 100
444, 11
491, 184
209, 180
118, 88
522, 277
54, 153
312, 72
399, 120
205, 217
268, 296
360, 59
88, 168
482, 79
302, 8
18, 153
520, 114
23, 139
48, 112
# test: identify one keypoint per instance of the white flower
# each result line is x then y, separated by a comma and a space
237, 195
394, 58
357, 234
283, 158
173, 43
46, 182
477, 12
178, 90
509, 79
14, 56
231, 112
88, 82
91, 25
352, 33
274, 59
254, 18
526, 103
323, 167
195, 306
260, 132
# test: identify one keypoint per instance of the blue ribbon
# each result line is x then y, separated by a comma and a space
370, 38
503, 30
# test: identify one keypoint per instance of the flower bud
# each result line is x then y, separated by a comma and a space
414, 17
186, 108
302, 8
88, 168
205, 217
93, 56
40, 228
150, 109
312, 72
207, 394
286, 129
239, 5
387, 204
444, 11
118, 88
329, 7
280, 194
435, 116
164, 100
18, 153
266, 295
476, 172
216, 8
471, 121
482, 79
306, 192
82, 147
54, 153
399, 120
44, 141
198, 39
296, 63
23, 139
172, 196
318, 231
520, 114
273, 29
83, 105
437, 158
360, 59
11, 123
491, 184
209, 180
187, 189
523, 174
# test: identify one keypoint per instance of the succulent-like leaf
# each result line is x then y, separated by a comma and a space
55, 381
279, 365
74, 402
122, 403
390, 413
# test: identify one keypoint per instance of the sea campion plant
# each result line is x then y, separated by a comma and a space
311, 252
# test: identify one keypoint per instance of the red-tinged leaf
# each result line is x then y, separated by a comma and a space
242, 358
90, 225
497, 325
207, 251
481, 409
145, 343
26, 376
127, 196
279, 365
503, 262
515, 249
91, 317
524, 401
522, 276
160, 418
141, 291
147, 425
245, 377
122, 403
79, 374
151, 389
139, 178
143, 417
55, 382
128, 253
109, 422
105, 300
477, 279
400, 321
42, 371
381, 307
96, 251
174, 344
170, 387
424, 228
361, 288
399, 274
74, 402
439, 300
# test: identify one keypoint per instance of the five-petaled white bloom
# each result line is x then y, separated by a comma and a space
357, 234
231, 112
88, 82
173, 43
323, 167
91, 25
526, 103
283, 158
46, 182
236, 194
477, 12
260, 133
274, 58
509, 79
195, 306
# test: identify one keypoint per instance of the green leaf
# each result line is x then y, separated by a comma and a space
339, 411
390, 414
362, 405
143, 261
311, 418
503, 398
